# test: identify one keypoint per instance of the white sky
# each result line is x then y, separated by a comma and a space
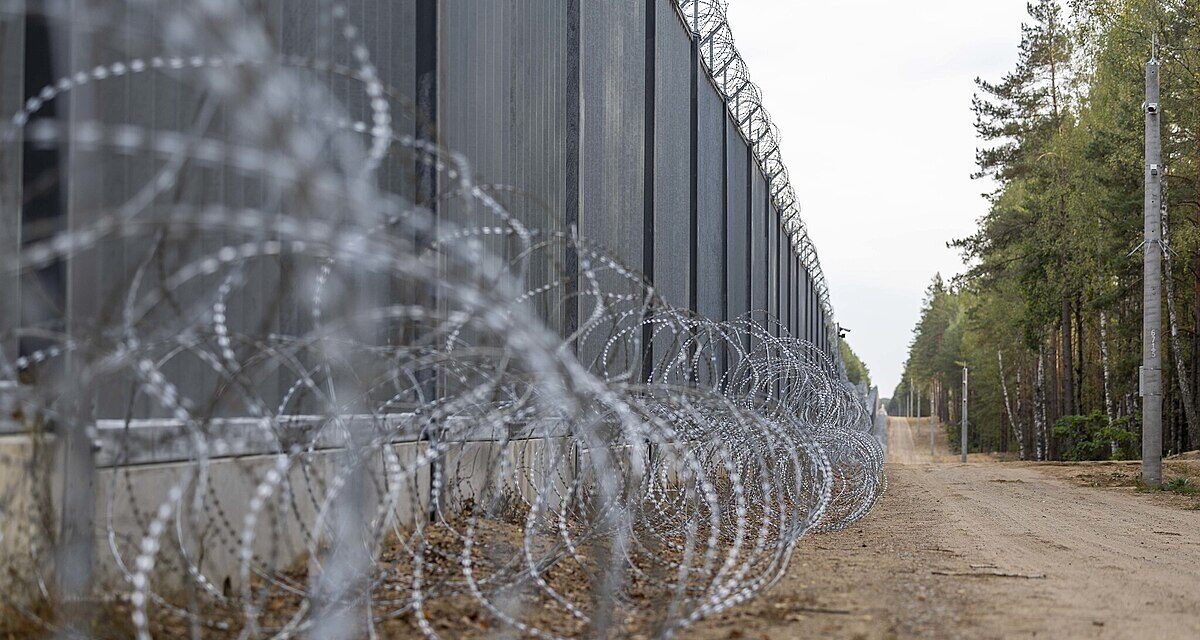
873, 103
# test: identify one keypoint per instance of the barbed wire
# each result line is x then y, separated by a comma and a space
319, 406
743, 100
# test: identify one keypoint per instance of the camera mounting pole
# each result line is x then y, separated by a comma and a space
1151, 372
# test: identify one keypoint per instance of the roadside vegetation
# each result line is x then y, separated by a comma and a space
1049, 315
856, 371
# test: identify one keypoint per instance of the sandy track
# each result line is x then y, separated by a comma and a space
908, 442
1116, 564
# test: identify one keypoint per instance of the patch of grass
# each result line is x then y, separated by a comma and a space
1181, 486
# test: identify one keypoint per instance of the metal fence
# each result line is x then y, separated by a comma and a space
636, 125
298, 292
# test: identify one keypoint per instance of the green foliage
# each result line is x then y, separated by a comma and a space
856, 371
936, 347
953, 437
1091, 437
1184, 486
1061, 135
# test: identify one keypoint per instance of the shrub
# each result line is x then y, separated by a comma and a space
1183, 486
1090, 437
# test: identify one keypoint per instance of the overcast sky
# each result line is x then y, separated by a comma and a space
873, 103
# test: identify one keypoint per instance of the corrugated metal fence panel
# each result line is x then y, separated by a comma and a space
815, 301
611, 155
98, 180
782, 279
794, 291
387, 30
818, 325
801, 302
758, 242
773, 286
37, 211
823, 336
672, 157
710, 236
805, 311
738, 222
12, 82
785, 284
503, 80
812, 310
613, 101
501, 91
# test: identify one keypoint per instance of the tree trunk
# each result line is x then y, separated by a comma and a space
1181, 376
944, 403
1068, 366
1048, 421
1039, 405
1078, 356
1192, 393
1051, 388
1108, 400
1013, 418
1024, 436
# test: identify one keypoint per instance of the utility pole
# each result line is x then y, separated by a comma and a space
964, 415
1151, 372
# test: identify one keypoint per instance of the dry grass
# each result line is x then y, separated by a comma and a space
1181, 478
450, 608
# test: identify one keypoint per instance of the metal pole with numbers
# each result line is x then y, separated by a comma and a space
1151, 372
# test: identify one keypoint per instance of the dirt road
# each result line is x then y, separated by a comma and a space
989, 550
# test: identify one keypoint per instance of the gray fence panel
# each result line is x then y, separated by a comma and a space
785, 284
737, 223
758, 242
393, 52
505, 102
804, 311
165, 102
387, 29
773, 285
12, 82
613, 91
710, 250
502, 92
613, 101
94, 182
97, 180
797, 293
812, 310
794, 290
672, 159
823, 328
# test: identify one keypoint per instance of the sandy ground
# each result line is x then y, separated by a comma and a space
991, 550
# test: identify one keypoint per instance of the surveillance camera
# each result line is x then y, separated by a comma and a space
1152, 108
